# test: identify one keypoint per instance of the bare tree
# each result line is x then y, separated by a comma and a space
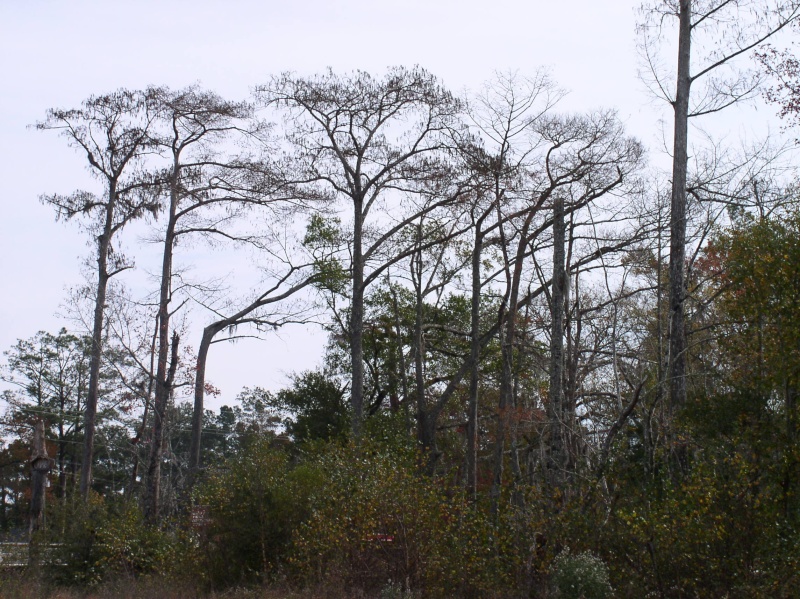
115, 131
505, 113
581, 159
712, 35
364, 141
208, 182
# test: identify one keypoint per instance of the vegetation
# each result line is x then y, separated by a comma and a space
501, 410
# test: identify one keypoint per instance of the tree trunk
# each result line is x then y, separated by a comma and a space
40, 467
474, 355
557, 461
62, 448
199, 395
426, 418
163, 382
677, 250
401, 357
507, 355
357, 323
151, 507
90, 414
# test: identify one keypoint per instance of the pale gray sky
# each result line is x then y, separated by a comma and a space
56, 53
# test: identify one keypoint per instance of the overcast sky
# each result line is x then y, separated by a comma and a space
56, 53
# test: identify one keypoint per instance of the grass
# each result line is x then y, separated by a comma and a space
21, 585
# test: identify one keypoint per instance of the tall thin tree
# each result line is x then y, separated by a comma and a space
115, 131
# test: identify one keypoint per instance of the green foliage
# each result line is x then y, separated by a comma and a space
376, 521
323, 238
313, 408
99, 541
581, 576
760, 295
717, 531
255, 501
49, 375
317, 406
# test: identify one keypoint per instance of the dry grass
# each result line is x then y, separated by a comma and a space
22, 586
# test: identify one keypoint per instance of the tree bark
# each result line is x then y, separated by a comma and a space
199, 395
401, 359
40, 468
677, 250
557, 461
163, 377
474, 355
90, 413
507, 356
357, 321
151, 508
426, 419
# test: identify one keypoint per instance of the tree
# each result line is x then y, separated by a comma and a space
41, 464
433, 266
759, 266
590, 159
51, 376
506, 114
206, 186
369, 143
316, 405
261, 313
116, 133
723, 30
569, 163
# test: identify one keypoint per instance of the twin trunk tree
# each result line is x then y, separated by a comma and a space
371, 144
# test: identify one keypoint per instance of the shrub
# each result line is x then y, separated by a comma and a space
255, 502
581, 576
375, 519
99, 540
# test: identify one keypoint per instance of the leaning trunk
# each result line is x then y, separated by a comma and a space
199, 396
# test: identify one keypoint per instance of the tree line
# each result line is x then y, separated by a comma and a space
517, 306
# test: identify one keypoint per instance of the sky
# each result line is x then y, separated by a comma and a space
57, 53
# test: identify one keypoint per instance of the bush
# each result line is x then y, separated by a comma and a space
377, 525
581, 576
99, 540
255, 502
